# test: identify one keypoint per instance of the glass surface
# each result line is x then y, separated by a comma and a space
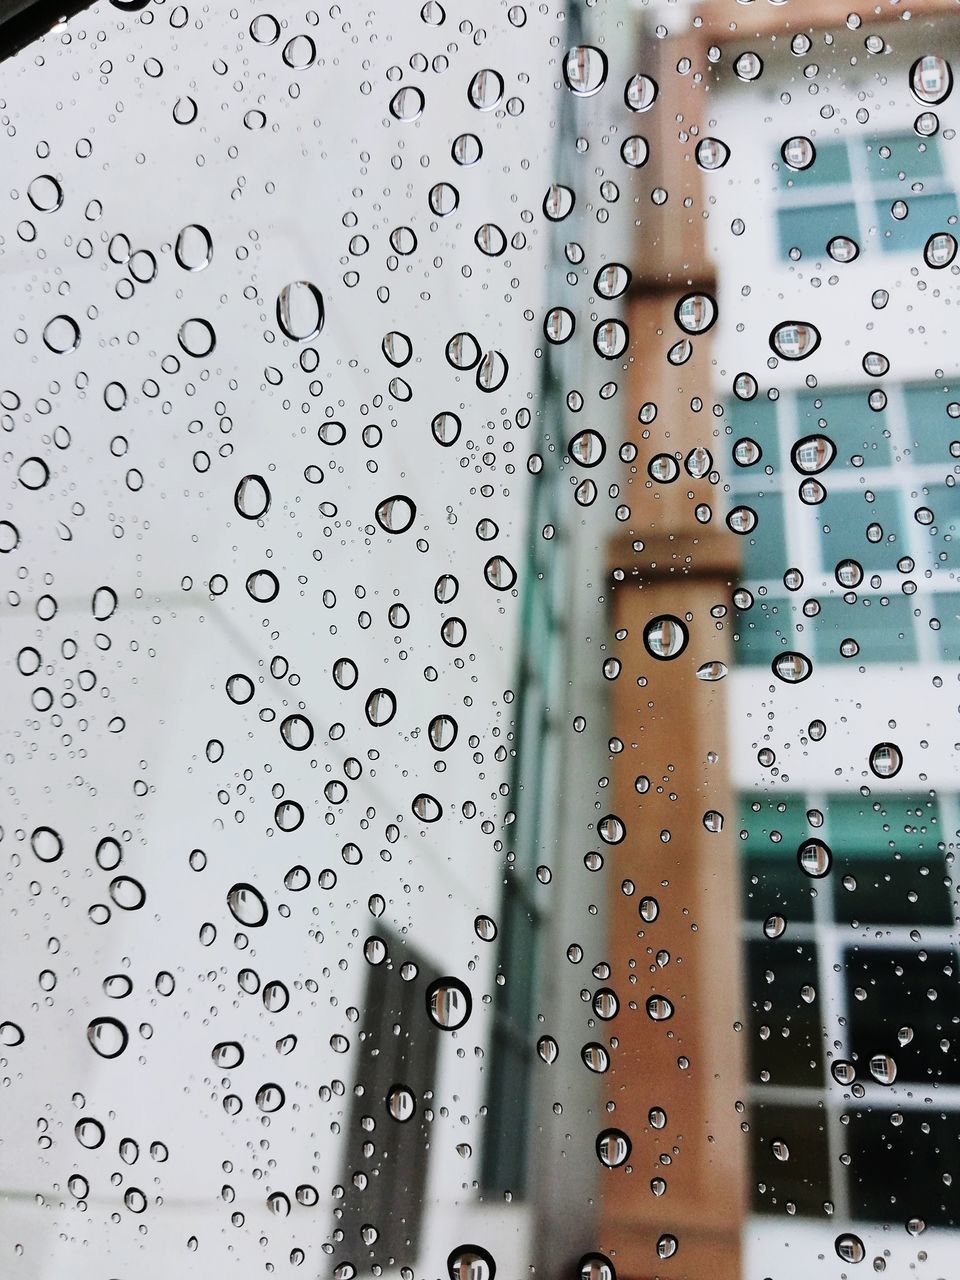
478, 553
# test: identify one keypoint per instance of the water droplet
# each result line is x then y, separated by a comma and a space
813, 454
791, 667
471, 1262
843, 249
548, 1049
696, 313
227, 1054
883, 1068
247, 905
194, 247
107, 1037
197, 337
299, 53
127, 893
398, 348
595, 1057
426, 808
10, 1035
559, 325
407, 104
596, 1266
446, 429
380, 707
931, 79
611, 338
270, 1098
665, 637
667, 1246
748, 66
940, 250
47, 844
297, 732
449, 1003
640, 92
849, 573
300, 310
61, 335
798, 153
485, 89
265, 29
500, 573
712, 154
401, 1103
585, 70
252, 497
587, 448
45, 193
558, 202
635, 152
443, 199
396, 514
815, 858
886, 760
795, 339
492, 371
659, 1008
849, 1248
613, 1148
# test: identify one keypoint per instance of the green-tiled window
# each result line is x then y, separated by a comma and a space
849, 422
930, 429
756, 419
809, 227
944, 501
946, 609
764, 551
831, 165
847, 515
762, 631
908, 154
884, 632
927, 214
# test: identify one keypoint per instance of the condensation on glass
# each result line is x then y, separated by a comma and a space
479, 550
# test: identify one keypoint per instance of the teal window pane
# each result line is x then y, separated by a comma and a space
809, 228
773, 826
764, 551
930, 429
946, 609
844, 518
927, 214
832, 165
758, 420
885, 826
849, 422
762, 632
944, 501
884, 632
907, 154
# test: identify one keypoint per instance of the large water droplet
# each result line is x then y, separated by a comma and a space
791, 667
247, 905
401, 1103
815, 858
886, 760
931, 79
61, 335
252, 497
712, 154
471, 1262
194, 247
300, 310
640, 92
45, 193
613, 1148
798, 153
296, 731
107, 1037
696, 313
611, 339
795, 339
849, 1248
500, 573
381, 707
197, 337
940, 250
407, 104
813, 454
396, 514
449, 1003
485, 89
47, 844
665, 637
585, 70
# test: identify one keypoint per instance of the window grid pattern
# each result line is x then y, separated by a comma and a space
828, 950
904, 463
852, 187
